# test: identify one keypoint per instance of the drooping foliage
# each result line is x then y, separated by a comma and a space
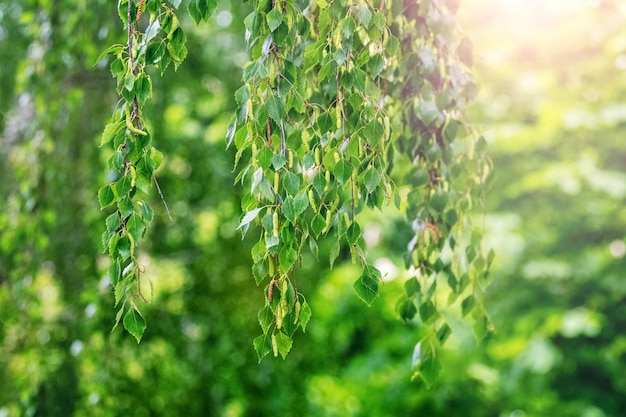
345, 106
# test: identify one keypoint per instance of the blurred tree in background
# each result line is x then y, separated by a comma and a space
553, 80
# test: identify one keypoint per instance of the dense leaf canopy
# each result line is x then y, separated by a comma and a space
550, 104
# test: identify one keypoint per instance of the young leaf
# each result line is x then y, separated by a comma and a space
407, 309
262, 345
114, 272
427, 311
343, 171
305, 315
365, 16
265, 156
334, 253
146, 211
429, 369
274, 19
106, 196
266, 318
373, 132
366, 287
134, 323
123, 185
318, 224
284, 343
371, 179
135, 226
291, 182
110, 130
275, 108
295, 206
286, 258
467, 305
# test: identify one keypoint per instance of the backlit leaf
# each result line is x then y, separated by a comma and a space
284, 344
134, 323
110, 130
262, 345
366, 287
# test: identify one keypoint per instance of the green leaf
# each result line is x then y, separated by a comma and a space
274, 19
430, 369
318, 224
135, 227
106, 196
482, 327
412, 287
119, 291
371, 179
324, 122
366, 287
439, 200
266, 317
201, 9
286, 258
146, 211
373, 132
284, 343
123, 185
194, 11
125, 207
407, 309
428, 112
134, 323
278, 161
418, 176
334, 252
260, 271
375, 65
129, 81
110, 130
365, 16
319, 183
265, 156
305, 315
443, 333
312, 55
342, 171
468, 304
262, 345
427, 311
123, 247
111, 50
143, 87
275, 108
118, 317
353, 233
291, 182
295, 206
114, 272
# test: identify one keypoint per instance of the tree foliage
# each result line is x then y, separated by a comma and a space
551, 98
332, 92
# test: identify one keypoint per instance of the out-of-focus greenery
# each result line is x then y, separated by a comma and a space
553, 80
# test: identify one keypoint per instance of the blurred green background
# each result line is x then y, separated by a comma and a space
552, 105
